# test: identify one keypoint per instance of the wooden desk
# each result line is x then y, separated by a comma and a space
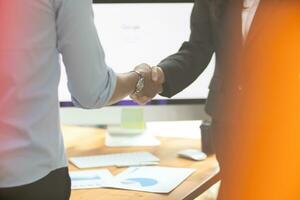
81, 141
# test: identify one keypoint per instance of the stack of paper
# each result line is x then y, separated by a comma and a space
116, 159
90, 179
151, 179
147, 179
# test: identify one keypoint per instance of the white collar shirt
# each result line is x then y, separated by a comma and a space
248, 14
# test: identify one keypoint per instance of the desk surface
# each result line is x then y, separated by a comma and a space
85, 141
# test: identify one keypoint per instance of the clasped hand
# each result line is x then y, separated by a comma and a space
153, 81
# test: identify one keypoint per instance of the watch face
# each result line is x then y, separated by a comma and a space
140, 85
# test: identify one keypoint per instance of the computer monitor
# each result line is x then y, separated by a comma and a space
144, 31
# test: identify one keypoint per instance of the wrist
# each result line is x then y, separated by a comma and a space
128, 82
140, 82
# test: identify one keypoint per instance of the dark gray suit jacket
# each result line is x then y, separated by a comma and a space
262, 69
209, 34
222, 35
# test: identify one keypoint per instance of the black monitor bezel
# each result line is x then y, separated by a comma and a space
142, 1
155, 102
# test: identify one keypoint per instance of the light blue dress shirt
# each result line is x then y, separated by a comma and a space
33, 35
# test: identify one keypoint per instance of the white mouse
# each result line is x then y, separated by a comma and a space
192, 154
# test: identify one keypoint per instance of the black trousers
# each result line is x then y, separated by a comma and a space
55, 186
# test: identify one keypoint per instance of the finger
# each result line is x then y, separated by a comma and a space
160, 75
155, 74
160, 90
143, 68
133, 97
139, 99
143, 100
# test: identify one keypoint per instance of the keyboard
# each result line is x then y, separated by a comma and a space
117, 159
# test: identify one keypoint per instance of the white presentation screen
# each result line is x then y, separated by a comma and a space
135, 33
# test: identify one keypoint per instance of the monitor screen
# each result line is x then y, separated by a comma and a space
135, 33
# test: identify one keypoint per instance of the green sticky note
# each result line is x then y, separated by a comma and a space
132, 118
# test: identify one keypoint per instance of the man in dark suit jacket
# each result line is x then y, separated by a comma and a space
240, 87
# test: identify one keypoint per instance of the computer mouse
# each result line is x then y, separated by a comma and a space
193, 154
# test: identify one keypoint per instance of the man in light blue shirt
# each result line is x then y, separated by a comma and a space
33, 35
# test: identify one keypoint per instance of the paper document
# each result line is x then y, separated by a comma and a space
89, 179
116, 159
150, 179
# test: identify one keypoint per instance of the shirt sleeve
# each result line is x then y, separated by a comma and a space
90, 81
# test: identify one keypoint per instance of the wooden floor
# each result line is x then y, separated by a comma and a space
210, 194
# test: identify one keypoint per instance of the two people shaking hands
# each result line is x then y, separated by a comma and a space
253, 54
153, 79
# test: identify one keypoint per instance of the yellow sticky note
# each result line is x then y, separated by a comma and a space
133, 118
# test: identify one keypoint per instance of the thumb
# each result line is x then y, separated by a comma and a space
160, 75
155, 75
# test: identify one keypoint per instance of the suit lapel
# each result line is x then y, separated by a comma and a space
262, 15
232, 30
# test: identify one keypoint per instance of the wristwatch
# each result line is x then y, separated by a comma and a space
140, 84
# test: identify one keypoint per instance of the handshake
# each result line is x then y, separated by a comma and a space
153, 79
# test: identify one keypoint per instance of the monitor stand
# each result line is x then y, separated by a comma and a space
131, 131
132, 122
